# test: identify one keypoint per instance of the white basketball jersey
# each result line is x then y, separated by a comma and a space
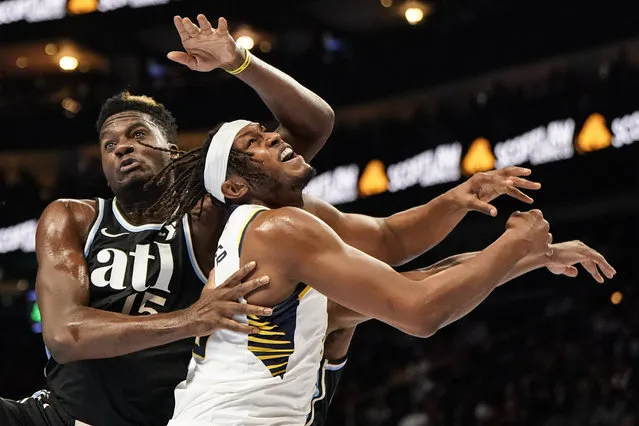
261, 379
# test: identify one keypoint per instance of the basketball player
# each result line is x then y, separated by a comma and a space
104, 266
268, 378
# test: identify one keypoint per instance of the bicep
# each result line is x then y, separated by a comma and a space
352, 278
62, 278
365, 233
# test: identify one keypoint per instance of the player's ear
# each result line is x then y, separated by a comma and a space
175, 152
235, 188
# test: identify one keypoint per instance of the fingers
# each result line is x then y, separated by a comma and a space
516, 193
237, 276
229, 324
222, 25
571, 271
182, 58
204, 23
524, 183
514, 171
192, 29
483, 207
247, 287
603, 264
179, 26
592, 270
236, 308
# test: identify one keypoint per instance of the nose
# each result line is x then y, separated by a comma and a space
273, 139
124, 147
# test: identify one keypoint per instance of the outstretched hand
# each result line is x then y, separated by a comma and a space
206, 48
477, 192
570, 253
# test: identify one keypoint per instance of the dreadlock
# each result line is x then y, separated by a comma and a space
125, 101
187, 170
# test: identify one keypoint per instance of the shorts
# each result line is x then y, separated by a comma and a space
38, 410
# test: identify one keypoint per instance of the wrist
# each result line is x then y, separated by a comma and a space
238, 59
518, 246
454, 200
186, 323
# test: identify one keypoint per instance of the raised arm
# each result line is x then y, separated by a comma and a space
562, 262
73, 331
306, 120
406, 235
309, 251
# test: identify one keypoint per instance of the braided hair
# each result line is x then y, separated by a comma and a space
186, 176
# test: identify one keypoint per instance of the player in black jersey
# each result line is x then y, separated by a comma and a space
121, 294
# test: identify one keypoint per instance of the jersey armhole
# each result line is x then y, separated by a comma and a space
99, 205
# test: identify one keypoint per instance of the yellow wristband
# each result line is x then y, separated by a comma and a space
245, 64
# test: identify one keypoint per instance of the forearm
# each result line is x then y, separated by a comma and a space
412, 232
306, 116
91, 333
456, 291
527, 264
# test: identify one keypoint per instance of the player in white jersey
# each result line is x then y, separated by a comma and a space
266, 177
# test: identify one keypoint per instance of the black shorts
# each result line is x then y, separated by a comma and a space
328, 378
38, 410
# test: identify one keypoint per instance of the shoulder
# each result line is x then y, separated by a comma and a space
67, 212
288, 226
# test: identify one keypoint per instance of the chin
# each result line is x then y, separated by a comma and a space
306, 175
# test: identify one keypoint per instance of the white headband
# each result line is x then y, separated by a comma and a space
217, 158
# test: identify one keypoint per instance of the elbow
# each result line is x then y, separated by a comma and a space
424, 324
61, 345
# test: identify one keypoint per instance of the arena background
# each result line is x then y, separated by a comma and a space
473, 85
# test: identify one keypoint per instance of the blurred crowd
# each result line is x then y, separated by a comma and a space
569, 364
499, 113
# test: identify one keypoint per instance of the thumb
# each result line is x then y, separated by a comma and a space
570, 271
182, 58
483, 207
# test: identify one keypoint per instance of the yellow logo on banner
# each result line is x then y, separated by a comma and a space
373, 180
594, 134
78, 7
479, 157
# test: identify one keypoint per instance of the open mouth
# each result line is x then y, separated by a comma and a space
128, 164
287, 154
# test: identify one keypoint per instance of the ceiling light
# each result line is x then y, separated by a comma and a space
68, 63
246, 42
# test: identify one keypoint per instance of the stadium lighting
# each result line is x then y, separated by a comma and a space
51, 49
246, 42
68, 63
414, 15
22, 62
415, 11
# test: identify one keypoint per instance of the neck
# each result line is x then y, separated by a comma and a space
134, 205
296, 201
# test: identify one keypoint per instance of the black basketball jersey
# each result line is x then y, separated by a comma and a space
327, 380
135, 270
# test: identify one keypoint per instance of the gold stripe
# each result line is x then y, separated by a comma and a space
197, 356
239, 238
253, 317
303, 292
257, 349
277, 373
270, 367
271, 333
271, 342
265, 357
259, 324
